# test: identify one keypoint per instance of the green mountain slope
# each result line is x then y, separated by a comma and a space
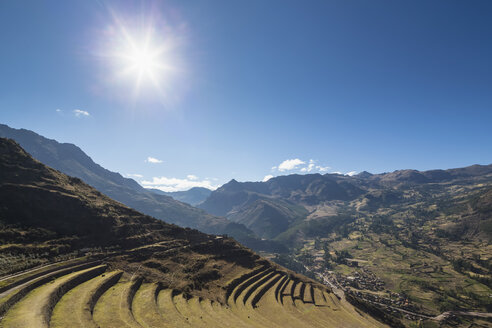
268, 217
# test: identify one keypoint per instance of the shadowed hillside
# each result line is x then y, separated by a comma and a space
119, 268
72, 161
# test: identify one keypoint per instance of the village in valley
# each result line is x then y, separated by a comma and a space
354, 277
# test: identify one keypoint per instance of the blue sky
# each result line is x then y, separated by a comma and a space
342, 85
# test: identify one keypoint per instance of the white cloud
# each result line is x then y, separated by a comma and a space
175, 184
130, 175
322, 168
267, 177
191, 177
81, 113
337, 172
297, 164
351, 173
58, 110
153, 160
290, 164
308, 168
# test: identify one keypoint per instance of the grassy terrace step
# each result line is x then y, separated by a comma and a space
274, 311
331, 299
287, 291
240, 288
250, 316
308, 295
14, 280
246, 314
319, 298
293, 287
207, 318
168, 309
113, 309
280, 287
314, 316
190, 311
203, 313
335, 313
259, 284
235, 282
273, 314
339, 314
75, 307
296, 293
263, 289
215, 314
223, 314
302, 291
145, 309
15, 294
256, 284
35, 309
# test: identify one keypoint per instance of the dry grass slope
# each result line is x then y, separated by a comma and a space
86, 295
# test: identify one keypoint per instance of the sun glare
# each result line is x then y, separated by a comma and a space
143, 62
141, 59
142, 55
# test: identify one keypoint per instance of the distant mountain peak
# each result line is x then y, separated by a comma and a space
364, 174
193, 196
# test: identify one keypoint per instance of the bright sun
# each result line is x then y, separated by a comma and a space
143, 62
143, 55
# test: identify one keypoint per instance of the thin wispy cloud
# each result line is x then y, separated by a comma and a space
81, 113
351, 173
153, 160
191, 177
58, 110
176, 184
134, 175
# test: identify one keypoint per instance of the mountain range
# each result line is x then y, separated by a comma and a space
272, 207
192, 196
425, 236
90, 261
71, 160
